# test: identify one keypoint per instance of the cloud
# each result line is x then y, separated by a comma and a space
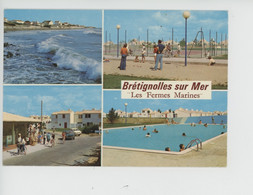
16, 99
169, 18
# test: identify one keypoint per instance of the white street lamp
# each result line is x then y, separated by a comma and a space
118, 27
186, 15
126, 113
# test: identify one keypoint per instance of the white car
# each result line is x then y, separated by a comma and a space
76, 131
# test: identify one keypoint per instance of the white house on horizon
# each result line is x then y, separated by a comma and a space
47, 23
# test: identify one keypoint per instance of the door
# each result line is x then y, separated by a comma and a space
65, 125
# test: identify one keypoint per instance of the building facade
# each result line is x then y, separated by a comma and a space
62, 119
71, 119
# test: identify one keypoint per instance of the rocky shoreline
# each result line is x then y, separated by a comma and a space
24, 28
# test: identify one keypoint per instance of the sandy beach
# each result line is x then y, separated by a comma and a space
173, 69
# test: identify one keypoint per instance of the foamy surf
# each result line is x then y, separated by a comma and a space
69, 60
92, 31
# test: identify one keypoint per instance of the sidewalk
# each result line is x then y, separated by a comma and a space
12, 152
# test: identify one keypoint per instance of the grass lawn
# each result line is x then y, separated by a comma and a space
114, 81
222, 57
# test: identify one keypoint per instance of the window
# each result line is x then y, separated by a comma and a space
89, 123
63, 116
59, 124
87, 115
80, 116
56, 116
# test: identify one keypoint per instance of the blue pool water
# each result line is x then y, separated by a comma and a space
208, 119
168, 136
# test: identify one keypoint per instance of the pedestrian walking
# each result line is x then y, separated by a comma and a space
63, 137
123, 53
44, 138
178, 49
155, 52
159, 56
48, 138
143, 51
53, 139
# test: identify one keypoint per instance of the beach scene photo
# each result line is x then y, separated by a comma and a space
165, 45
51, 127
52, 46
166, 133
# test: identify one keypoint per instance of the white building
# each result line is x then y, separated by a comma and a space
134, 114
45, 118
18, 21
47, 23
146, 112
87, 118
58, 23
36, 23
155, 114
120, 113
62, 119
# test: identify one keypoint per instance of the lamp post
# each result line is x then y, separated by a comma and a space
126, 113
118, 27
186, 15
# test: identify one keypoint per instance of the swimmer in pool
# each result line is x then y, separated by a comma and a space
183, 134
205, 124
144, 128
167, 149
148, 135
181, 146
132, 129
155, 131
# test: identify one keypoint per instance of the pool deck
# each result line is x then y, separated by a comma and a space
213, 154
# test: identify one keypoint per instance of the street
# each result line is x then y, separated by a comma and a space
68, 154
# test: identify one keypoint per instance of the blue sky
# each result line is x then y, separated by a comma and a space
81, 17
112, 99
26, 100
160, 23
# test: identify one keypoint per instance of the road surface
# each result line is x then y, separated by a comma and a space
67, 154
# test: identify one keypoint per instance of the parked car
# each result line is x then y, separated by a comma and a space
69, 134
76, 131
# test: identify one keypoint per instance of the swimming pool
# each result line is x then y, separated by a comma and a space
168, 136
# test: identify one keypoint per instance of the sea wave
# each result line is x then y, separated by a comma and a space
92, 31
48, 46
65, 58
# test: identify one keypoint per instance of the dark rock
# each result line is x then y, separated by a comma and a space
54, 64
9, 54
7, 44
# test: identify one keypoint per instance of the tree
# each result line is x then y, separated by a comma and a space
159, 111
112, 116
182, 43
